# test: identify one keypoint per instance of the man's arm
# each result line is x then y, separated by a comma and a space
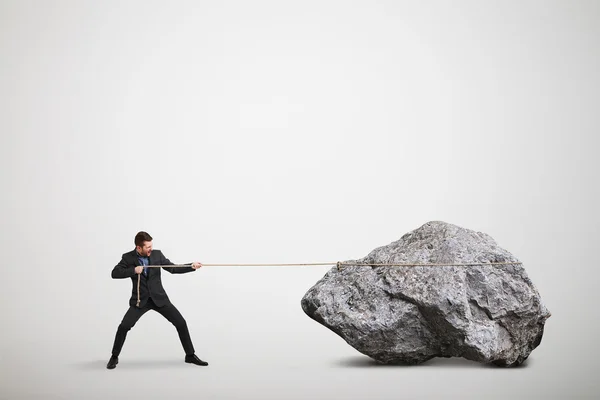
121, 270
174, 270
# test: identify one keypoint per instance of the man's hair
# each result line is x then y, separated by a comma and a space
142, 237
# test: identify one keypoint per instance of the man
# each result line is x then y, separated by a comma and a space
152, 295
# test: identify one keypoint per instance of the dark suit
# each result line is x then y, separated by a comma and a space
152, 297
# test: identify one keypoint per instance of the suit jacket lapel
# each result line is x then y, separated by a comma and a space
152, 260
135, 259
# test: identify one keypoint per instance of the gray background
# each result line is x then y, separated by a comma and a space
266, 132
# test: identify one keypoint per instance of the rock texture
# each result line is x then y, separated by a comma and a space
410, 314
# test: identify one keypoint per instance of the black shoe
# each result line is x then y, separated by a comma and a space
193, 359
112, 363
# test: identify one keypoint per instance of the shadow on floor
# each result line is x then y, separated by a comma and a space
438, 362
132, 364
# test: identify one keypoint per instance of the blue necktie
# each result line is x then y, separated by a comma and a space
144, 261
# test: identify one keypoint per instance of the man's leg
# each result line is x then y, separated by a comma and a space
172, 314
129, 319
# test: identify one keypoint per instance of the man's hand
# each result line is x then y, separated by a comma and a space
196, 265
139, 269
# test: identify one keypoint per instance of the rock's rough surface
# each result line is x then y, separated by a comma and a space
401, 314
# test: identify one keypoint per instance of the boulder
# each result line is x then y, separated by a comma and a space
490, 313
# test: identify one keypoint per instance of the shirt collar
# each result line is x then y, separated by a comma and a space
139, 255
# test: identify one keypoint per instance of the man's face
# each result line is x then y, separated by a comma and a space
146, 249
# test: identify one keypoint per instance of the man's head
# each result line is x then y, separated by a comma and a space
143, 243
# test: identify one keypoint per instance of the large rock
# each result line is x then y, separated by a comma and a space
410, 314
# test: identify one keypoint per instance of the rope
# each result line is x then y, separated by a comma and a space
138, 293
338, 264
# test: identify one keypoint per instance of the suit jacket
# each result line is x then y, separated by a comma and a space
151, 285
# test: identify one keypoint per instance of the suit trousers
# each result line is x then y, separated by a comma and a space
169, 311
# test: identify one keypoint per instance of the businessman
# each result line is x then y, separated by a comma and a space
152, 295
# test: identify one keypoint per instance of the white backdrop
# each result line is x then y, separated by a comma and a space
286, 132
